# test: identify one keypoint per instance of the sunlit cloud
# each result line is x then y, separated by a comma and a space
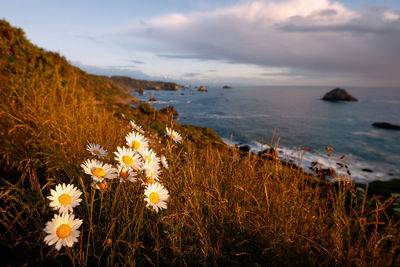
312, 36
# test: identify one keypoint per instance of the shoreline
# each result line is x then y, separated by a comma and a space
361, 171
304, 158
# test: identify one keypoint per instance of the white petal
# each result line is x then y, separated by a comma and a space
58, 245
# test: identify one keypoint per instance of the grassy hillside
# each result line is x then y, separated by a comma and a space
224, 208
135, 84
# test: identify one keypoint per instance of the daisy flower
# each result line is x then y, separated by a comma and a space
102, 186
127, 157
149, 156
156, 196
96, 150
164, 162
126, 174
62, 230
173, 135
137, 141
65, 198
136, 126
151, 172
98, 170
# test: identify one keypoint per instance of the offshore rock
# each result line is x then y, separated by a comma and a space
386, 125
339, 94
152, 98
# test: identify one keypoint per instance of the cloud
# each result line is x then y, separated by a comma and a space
376, 21
87, 38
320, 36
119, 67
191, 74
136, 61
188, 56
299, 74
114, 70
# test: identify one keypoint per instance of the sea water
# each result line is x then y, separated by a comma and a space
301, 123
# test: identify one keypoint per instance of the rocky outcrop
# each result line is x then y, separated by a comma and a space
386, 125
268, 153
339, 94
367, 170
153, 88
227, 87
202, 88
244, 148
152, 98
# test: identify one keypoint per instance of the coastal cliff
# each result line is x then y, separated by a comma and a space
137, 85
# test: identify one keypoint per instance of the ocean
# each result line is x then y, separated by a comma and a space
303, 124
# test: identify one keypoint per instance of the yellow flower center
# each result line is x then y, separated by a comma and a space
96, 152
128, 160
63, 231
136, 145
99, 172
148, 158
103, 186
64, 199
154, 197
124, 174
173, 136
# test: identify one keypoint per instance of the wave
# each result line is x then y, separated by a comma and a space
217, 116
304, 158
372, 133
260, 116
232, 116
161, 102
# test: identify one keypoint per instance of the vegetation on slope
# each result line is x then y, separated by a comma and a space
223, 209
135, 84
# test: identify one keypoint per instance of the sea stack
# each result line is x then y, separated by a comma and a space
386, 125
152, 98
202, 88
338, 95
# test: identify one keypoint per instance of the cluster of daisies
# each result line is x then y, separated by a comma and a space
135, 162
62, 230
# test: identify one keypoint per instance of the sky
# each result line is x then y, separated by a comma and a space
235, 42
